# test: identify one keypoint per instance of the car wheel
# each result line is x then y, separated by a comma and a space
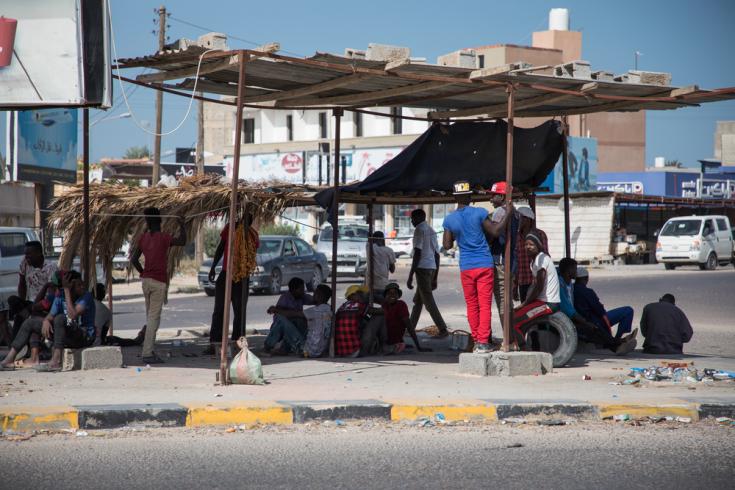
209, 292
669, 267
316, 279
711, 263
276, 281
554, 334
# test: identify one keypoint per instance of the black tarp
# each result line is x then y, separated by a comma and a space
473, 151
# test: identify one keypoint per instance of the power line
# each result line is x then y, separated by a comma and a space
229, 36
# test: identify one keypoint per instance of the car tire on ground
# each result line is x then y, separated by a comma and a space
209, 292
554, 334
316, 279
669, 267
276, 278
710, 264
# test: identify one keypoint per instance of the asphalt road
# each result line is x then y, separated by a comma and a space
705, 296
599, 455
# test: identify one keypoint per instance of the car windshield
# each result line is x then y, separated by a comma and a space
354, 233
269, 247
682, 227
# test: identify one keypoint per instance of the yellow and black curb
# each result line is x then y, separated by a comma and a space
28, 419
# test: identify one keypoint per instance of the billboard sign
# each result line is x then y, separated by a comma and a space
582, 165
55, 53
47, 145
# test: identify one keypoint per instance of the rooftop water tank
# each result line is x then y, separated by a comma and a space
558, 20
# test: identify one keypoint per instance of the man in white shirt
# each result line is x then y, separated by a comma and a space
425, 266
384, 262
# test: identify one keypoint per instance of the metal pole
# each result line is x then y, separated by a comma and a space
370, 261
508, 239
532, 204
199, 247
223, 379
159, 103
109, 294
338, 111
85, 157
565, 172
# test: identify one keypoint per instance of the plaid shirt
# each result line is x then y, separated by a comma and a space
347, 328
524, 275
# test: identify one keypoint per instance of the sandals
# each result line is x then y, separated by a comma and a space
7, 368
45, 368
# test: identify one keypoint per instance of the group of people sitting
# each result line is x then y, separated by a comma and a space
360, 329
51, 305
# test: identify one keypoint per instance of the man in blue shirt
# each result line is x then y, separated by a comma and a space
70, 323
471, 228
588, 305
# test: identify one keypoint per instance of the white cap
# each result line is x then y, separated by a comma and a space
582, 272
527, 212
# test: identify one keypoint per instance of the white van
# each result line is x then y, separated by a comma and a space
12, 251
351, 245
703, 240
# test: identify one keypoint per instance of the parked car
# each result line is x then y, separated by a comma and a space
12, 250
279, 259
351, 246
703, 240
401, 245
121, 260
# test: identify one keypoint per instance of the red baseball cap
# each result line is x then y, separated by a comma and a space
498, 188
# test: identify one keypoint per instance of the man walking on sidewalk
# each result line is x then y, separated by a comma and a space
425, 267
471, 227
154, 246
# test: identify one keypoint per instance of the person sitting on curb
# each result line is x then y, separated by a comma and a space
397, 321
587, 330
102, 314
358, 328
70, 323
665, 327
588, 305
318, 320
292, 300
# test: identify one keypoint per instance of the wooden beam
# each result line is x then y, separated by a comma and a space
308, 90
680, 92
374, 96
494, 71
211, 67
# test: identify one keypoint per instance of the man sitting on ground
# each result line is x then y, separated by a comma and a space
587, 330
665, 327
291, 301
397, 321
358, 328
523, 275
318, 320
384, 260
102, 314
588, 305
70, 323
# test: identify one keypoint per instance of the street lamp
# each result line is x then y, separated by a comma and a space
124, 115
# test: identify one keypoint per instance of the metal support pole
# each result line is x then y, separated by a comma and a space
159, 103
85, 156
199, 246
370, 260
508, 239
565, 172
338, 111
109, 295
532, 204
223, 379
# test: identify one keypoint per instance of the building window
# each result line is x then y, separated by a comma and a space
248, 130
358, 124
481, 61
396, 122
323, 125
289, 127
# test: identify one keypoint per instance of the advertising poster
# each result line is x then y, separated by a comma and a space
47, 145
582, 164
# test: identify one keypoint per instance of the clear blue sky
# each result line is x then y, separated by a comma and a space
692, 40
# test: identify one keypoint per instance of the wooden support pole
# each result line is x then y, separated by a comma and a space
565, 179
335, 215
108, 281
370, 258
85, 259
156, 173
508, 239
223, 371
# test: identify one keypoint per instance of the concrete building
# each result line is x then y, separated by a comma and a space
725, 142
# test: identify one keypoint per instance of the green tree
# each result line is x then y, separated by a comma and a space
135, 152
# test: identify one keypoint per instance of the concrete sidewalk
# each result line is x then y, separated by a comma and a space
409, 386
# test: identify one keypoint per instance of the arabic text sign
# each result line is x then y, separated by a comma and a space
47, 145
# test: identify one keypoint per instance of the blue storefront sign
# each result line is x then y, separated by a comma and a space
668, 184
47, 145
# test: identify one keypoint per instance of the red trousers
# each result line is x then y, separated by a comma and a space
478, 294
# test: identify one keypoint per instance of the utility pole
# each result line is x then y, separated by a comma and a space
159, 102
199, 248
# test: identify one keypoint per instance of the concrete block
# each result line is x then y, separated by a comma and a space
519, 363
106, 357
71, 360
384, 52
475, 364
575, 69
649, 77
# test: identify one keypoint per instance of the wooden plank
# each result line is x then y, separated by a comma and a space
680, 92
211, 67
373, 96
494, 71
308, 90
